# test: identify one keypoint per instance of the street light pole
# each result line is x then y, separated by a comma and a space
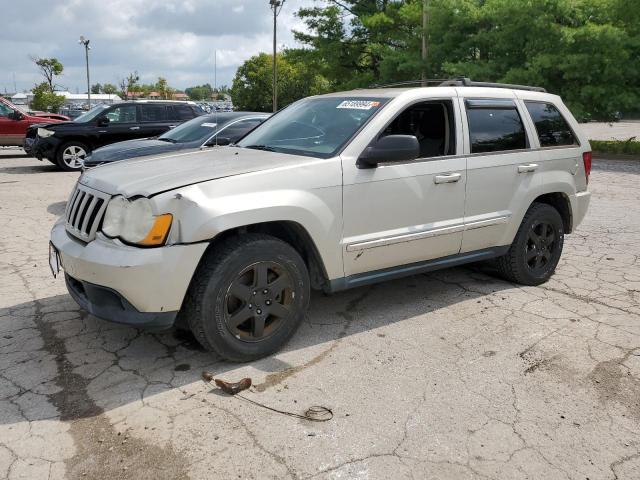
85, 42
276, 6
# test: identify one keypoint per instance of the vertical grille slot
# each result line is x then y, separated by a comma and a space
84, 212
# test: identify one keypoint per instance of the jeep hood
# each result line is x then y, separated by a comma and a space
152, 175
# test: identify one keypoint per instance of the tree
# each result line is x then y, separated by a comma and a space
49, 68
46, 100
96, 89
199, 92
580, 49
163, 88
252, 85
128, 84
109, 89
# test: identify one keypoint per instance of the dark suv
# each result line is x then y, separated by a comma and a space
66, 144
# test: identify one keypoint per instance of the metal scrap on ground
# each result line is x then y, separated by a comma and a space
315, 413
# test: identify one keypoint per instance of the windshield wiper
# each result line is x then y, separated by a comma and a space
170, 140
266, 148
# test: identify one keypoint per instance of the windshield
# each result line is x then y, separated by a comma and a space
317, 127
91, 114
198, 128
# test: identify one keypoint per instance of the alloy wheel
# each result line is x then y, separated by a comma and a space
73, 155
541, 246
259, 301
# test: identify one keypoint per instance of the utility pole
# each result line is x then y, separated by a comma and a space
85, 42
425, 46
276, 6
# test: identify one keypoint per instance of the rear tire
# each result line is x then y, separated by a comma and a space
536, 249
247, 297
70, 156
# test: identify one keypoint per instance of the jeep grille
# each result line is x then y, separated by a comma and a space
84, 212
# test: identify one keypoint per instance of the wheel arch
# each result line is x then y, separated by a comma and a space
560, 201
290, 232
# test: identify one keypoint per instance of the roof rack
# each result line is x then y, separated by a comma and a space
456, 82
408, 83
467, 82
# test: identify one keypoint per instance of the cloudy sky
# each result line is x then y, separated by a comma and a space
172, 38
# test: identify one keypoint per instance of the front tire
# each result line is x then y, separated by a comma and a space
70, 156
536, 249
247, 297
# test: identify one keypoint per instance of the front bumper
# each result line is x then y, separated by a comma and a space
143, 287
45, 148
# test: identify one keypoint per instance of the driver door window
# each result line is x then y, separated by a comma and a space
122, 114
432, 123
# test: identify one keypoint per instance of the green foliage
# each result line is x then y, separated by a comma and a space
46, 100
199, 92
50, 68
109, 89
627, 147
96, 89
584, 50
297, 78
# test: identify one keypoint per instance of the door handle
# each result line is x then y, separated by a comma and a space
134, 128
448, 178
172, 126
532, 167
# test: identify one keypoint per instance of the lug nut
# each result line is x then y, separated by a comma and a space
259, 312
250, 306
265, 291
255, 292
268, 302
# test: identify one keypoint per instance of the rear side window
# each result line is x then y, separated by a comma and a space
122, 114
181, 112
153, 113
495, 126
553, 130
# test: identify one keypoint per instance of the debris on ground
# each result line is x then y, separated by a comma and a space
315, 413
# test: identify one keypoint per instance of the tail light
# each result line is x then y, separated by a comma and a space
586, 159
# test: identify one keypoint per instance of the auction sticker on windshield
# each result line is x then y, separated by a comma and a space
359, 104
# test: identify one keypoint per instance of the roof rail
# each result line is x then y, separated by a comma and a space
409, 83
467, 82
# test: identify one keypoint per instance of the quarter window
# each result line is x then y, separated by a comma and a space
181, 112
495, 128
238, 130
553, 130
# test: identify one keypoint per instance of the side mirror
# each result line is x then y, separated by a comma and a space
392, 148
219, 141
103, 121
15, 115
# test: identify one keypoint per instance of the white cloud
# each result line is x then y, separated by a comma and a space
170, 38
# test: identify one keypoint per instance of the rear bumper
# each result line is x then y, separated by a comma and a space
116, 282
580, 203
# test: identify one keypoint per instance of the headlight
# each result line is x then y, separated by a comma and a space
44, 133
134, 222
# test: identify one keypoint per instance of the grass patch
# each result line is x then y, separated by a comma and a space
616, 147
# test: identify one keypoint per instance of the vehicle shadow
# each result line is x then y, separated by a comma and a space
102, 366
27, 169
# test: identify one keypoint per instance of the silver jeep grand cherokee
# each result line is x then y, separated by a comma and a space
333, 192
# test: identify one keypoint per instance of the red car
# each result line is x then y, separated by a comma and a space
15, 121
